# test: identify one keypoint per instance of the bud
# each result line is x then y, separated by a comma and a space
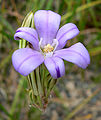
27, 22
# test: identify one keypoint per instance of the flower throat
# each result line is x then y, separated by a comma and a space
48, 48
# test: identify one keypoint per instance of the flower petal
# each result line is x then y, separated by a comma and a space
28, 34
65, 33
76, 54
47, 23
55, 66
25, 60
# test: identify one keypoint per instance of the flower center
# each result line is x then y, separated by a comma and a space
48, 48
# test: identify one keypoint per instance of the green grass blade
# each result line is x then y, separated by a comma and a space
5, 111
81, 8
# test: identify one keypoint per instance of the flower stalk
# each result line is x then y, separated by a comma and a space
41, 53
40, 81
40, 87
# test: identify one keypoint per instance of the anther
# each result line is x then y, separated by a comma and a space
48, 48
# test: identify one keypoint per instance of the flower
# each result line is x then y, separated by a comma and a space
48, 43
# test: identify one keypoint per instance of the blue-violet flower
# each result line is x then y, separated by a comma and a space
48, 43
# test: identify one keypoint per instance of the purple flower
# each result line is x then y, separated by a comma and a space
47, 42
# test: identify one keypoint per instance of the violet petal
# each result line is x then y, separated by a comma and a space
47, 23
76, 54
55, 66
65, 33
28, 34
25, 60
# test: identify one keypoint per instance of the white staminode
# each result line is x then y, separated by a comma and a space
48, 50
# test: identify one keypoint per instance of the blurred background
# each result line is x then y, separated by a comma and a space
77, 95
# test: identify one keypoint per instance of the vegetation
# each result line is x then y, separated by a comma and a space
14, 101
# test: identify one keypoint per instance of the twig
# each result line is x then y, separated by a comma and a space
15, 9
14, 5
16, 14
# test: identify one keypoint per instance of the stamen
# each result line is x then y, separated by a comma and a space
48, 48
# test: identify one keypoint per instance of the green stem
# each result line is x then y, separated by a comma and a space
31, 94
42, 74
51, 85
34, 84
39, 82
